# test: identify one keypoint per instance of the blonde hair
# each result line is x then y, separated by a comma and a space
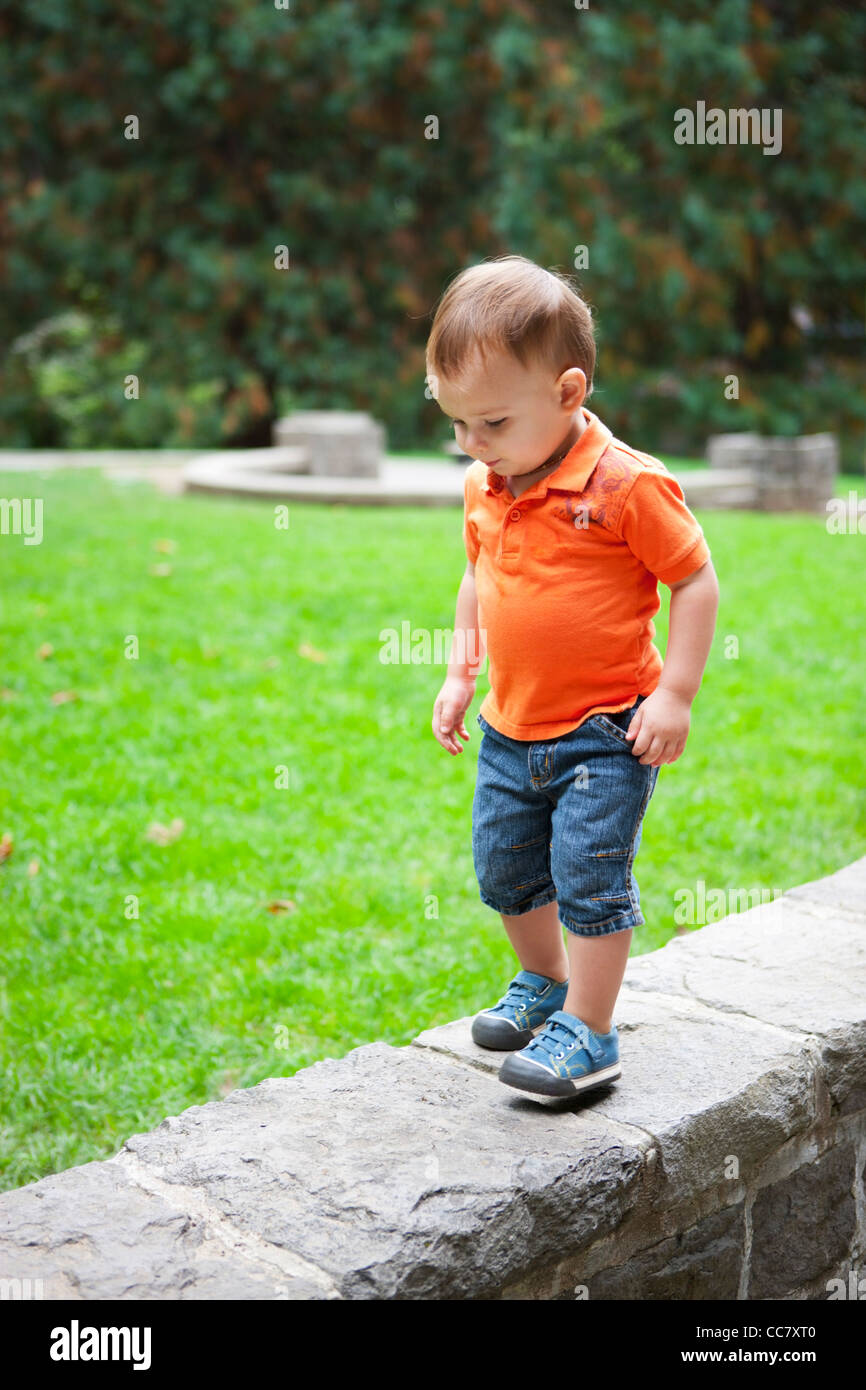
512, 305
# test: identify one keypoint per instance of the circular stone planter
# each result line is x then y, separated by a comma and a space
279, 474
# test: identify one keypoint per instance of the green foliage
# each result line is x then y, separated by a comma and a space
679, 410
305, 127
64, 364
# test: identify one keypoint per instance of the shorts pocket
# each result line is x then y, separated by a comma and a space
596, 893
603, 877
617, 724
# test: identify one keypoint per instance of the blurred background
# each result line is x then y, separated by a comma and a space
309, 126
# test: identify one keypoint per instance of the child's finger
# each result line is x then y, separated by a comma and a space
446, 731
440, 726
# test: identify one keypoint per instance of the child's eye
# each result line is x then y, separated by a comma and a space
491, 424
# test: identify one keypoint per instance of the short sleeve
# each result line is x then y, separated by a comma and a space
471, 542
658, 527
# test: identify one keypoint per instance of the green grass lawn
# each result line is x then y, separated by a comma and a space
112, 1021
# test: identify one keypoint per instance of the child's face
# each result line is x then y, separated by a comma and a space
513, 417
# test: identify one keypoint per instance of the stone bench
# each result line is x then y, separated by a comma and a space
728, 1162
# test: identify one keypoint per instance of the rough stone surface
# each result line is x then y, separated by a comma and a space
845, 889
772, 963
91, 1233
702, 1262
803, 1225
399, 1173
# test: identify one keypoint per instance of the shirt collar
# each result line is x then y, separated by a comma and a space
573, 473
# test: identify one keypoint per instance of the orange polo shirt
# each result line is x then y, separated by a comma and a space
567, 581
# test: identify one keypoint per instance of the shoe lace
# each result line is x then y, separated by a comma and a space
518, 994
558, 1035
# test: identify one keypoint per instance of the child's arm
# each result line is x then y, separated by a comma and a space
694, 604
660, 726
467, 654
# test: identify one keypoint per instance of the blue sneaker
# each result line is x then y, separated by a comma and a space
565, 1059
524, 1008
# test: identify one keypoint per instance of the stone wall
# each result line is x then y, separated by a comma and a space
790, 474
727, 1163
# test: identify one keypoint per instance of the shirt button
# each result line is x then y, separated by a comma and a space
515, 516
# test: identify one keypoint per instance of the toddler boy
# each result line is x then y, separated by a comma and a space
567, 532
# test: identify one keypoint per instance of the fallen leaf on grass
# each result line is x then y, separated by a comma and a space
45, 651
311, 653
62, 697
6, 843
281, 905
164, 834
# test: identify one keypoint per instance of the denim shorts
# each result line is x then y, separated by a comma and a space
562, 819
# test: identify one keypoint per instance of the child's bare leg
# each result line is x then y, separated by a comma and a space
596, 969
537, 939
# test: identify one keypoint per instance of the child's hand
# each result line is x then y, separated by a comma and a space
660, 727
452, 702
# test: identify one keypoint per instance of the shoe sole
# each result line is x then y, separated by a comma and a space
547, 1085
